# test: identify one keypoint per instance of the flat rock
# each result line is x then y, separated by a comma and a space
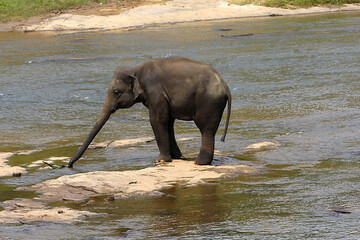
30, 210
147, 182
5, 169
122, 142
129, 142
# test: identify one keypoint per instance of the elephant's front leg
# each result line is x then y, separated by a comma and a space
175, 152
159, 119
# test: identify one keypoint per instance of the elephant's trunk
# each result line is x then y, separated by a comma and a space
104, 116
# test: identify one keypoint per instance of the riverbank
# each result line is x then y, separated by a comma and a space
112, 17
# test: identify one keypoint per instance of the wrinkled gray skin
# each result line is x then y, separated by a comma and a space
171, 88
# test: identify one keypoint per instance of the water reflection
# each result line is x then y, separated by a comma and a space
175, 214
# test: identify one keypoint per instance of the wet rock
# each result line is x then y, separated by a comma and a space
237, 35
225, 29
110, 198
261, 145
16, 174
275, 15
340, 209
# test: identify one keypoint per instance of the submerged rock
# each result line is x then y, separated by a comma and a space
237, 35
261, 145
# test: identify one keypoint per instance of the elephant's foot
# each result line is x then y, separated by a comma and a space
204, 159
163, 158
176, 155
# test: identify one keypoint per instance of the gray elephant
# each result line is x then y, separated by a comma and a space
171, 88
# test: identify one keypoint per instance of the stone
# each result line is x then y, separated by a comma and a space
261, 145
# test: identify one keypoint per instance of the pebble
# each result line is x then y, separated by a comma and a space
16, 174
110, 198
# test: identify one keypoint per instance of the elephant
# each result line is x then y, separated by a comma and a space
171, 88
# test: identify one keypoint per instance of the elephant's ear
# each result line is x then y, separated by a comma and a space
137, 90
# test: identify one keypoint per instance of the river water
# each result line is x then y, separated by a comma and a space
295, 80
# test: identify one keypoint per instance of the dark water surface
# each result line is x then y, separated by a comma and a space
295, 80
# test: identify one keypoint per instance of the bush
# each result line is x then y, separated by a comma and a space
23, 9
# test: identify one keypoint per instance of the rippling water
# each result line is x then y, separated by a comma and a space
295, 80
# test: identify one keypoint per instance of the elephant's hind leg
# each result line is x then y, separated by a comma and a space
208, 119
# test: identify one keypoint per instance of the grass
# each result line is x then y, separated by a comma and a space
292, 3
23, 9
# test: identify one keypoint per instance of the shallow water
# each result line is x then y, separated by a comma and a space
295, 80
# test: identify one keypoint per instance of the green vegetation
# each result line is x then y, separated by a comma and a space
22, 9
293, 3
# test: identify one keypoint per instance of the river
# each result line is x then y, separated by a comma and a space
293, 79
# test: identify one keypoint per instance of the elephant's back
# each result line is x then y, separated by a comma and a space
188, 83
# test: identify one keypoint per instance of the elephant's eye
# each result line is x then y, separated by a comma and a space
117, 92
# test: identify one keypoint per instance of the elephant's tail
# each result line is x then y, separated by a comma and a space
228, 113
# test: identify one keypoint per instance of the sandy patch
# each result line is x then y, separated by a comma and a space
172, 12
5, 169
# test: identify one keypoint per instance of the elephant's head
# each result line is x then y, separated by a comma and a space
123, 92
